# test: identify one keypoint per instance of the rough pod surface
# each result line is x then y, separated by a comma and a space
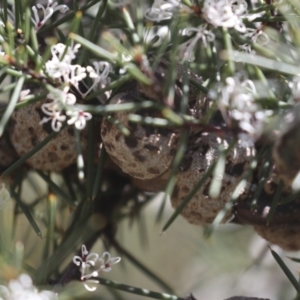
26, 132
201, 153
286, 151
286, 238
146, 153
8, 154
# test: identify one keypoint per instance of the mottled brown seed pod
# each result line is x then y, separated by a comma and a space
153, 185
8, 154
147, 152
286, 151
201, 153
26, 132
286, 238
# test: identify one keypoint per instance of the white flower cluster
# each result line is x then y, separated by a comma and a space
60, 67
91, 265
216, 13
164, 9
225, 13
238, 103
47, 12
4, 196
23, 289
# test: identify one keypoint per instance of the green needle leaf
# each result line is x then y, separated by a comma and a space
137, 291
27, 213
12, 103
286, 271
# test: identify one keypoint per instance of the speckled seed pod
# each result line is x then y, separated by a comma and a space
201, 153
146, 153
26, 132
286, 151
8, 154
153, 185
286, 238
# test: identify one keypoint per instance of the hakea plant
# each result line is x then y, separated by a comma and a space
160, 75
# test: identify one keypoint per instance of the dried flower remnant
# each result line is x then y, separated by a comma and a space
23, 288
47, 12
91, 265
4, 195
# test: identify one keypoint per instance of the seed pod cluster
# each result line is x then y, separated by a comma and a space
147, 153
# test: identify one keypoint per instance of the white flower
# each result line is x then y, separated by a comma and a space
59, 52
225, 13
59, 66
4, 196
201, 34
107, 261
85, 262
23, 289
164, 9
47, 12
54, 109
92, 261
256, 36
99, 74
78, 118
56, 119
63, 97
76, 74
57, 69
